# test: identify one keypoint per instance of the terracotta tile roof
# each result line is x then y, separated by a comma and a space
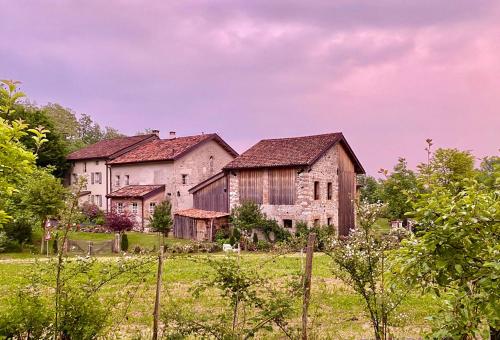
285, 152
197, 213
136, 191
169, 149
109, 148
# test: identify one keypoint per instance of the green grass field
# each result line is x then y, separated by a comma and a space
336, 312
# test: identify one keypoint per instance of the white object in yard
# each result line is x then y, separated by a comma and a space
227, 247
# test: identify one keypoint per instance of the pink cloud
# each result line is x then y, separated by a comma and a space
387, 73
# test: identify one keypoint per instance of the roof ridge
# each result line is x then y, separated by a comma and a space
298, 137
198, 135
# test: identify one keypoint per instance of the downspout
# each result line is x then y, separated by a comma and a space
107, 181
142, 217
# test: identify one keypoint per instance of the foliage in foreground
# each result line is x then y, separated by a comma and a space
83, 312
360, 261
251, 305
457, 256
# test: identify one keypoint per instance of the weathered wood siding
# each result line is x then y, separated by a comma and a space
213, 197
282, 186
185, 227
250, 186
347, 191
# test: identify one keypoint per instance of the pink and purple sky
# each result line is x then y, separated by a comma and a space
387, 73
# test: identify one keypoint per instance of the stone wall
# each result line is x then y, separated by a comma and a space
306, 208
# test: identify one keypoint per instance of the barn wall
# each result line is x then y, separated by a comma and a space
251, 186
346, 191
213, 197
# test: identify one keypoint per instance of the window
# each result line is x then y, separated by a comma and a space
184, 179
119, 207
316, 222
152, 206
134, 208
211, 164
287, 223
329, 191
99, 200
127, 179
329, 221
316, 190
92, 199
96, 162
84, 166
117, 180
99, 177
92, 176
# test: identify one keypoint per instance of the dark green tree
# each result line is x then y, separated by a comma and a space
371, 189
397, 188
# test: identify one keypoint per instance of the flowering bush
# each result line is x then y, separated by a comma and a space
91, 212
361, 262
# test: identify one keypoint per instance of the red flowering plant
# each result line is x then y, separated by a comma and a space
119, 222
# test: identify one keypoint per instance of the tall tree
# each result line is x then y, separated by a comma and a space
53, 153
396, 189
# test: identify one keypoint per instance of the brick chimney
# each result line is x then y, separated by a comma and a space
172, 134
156, 132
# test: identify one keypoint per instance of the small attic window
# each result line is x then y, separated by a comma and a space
184, 179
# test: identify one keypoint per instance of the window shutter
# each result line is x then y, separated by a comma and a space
92, 178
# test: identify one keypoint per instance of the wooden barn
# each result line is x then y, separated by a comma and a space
310, 179
199, 225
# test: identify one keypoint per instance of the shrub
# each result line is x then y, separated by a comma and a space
263, 245
19, 230
161, 220
124, 242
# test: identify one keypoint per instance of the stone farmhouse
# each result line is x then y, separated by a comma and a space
165, 169
310, 179
90, 163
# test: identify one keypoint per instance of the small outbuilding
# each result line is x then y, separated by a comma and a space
199, 225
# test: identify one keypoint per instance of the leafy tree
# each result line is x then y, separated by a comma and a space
16, 161
456, 255
360, 260
90, 132
42, 196
161, 220
446, 167
51, 153
396, 189
486, 173
371, 189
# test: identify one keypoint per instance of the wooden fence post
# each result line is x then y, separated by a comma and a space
307, 283
156, 313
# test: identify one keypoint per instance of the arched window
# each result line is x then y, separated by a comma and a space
211, 164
